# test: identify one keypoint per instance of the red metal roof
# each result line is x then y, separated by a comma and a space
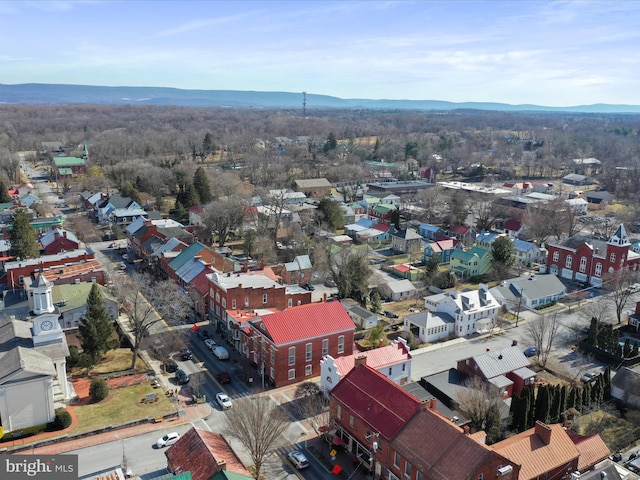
402, 268
307, 321
379, 402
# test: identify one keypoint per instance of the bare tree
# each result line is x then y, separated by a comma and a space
135, 293
477, 401
257, 423
222, 216
618, 283
543, 332
601, 311
313, 406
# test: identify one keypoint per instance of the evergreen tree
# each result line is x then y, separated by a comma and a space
503, 251
331, 143
23, 237
202, 185
207, 145
432, 264
606, 376
562, 402
543, 404
493, 424
330, 213
180, 212
4, 193
554, 410
586, 396
528, 417
131, 191
376, 302
571, 398
96, 327
592, 337
515, 412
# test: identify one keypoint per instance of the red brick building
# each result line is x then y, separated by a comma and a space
251, 290
17, 271
287, 346
297, 272
396, 436
587, 260
57, 241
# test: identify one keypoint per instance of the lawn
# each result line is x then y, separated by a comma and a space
121, 406
118, 361
616, 432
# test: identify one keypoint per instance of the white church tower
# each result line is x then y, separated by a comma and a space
42, 290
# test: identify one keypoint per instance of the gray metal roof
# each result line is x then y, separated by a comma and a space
500, 361
501, 381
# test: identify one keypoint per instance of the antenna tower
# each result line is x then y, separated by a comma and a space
304, 104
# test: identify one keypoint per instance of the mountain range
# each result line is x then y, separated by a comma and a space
61, 94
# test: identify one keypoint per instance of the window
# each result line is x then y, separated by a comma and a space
612, 258
341, 344
264, 298
290, 303
246, 302
292, 356
308, 352
568, 261
292, 374
390, 370
325, 347
407, 469
481, 476
419, 476
404, 367
351, 420
556, 256
273, 357
396, 460
583, 264
339, 411
218, 297
224, 302
308, 370
598, 269
233, 304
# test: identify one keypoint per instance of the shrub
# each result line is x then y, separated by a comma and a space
98, 390
63, 419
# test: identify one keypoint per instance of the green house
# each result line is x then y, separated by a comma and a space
470, 263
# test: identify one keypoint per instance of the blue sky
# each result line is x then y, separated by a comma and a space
542, 52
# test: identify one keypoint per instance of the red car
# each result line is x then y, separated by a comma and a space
223, 377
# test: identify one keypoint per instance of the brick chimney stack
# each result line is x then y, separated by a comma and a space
544, 431
361, 360
466, 429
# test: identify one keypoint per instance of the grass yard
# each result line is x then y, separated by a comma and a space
616, 432
118, 361
121, 406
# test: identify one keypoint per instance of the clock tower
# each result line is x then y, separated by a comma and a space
42, 290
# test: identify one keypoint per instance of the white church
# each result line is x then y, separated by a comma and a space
33, 376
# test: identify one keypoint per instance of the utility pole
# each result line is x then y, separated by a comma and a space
304, 104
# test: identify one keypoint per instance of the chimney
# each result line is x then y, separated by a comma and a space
361, 360
430, 404
466, 429
261, 264
222, 465
324, 297
544, 431
637, 308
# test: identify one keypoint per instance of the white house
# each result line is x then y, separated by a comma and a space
362, 317
473, 310
33, 374
393, 361
528, 252
579, 206
529, 291
397, 290
430, 327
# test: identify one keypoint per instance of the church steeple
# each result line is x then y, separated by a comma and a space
42, 296
619, 238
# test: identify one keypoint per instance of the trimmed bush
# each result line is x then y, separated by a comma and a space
63, 419
98, 390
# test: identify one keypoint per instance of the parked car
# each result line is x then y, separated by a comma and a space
125, 256
330, 284
168, 439
202, 334
530, 352
298, 459
171, 366
223, 377
224, 401
390, 314
186, 354
589, 377
181, 377
210, 343
220, 352
309, 286
122, 266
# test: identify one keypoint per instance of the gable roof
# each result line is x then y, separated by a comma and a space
377, 358
539, 449
592, 449
307, 321
407, 234
200, 452
437, 453
500, 361
186, 255
376, 400
17, 354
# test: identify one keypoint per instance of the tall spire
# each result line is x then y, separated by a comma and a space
619, 237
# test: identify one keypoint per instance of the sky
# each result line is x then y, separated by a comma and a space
550, 53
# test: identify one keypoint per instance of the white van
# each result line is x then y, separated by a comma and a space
221, 353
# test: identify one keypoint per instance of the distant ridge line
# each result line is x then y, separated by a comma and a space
62, 94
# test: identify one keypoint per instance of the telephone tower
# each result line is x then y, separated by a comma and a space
304, 104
